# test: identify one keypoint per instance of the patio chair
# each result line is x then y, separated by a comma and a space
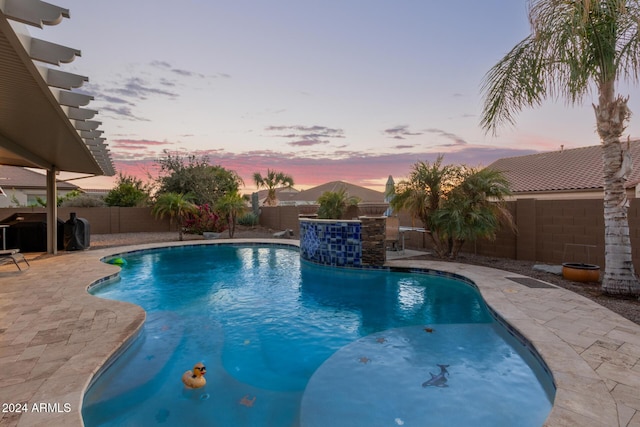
13, 255
392, 233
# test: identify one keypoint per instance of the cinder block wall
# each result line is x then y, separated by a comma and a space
108, 220
279, 218
548, 231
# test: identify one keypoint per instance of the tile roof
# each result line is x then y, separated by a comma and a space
363, 193
17, 177
573, 169
283, 194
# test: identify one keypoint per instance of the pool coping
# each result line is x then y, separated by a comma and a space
55, 337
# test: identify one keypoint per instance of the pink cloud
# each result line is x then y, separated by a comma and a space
357, 168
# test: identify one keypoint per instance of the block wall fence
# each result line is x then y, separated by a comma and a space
106, 220
548, 231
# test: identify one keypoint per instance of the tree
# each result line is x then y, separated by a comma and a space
40, 202
474, 209
230, 206
176, 206
334, 203
195, 176
128, 192
271, 182
427, 185
576, 47
455, 203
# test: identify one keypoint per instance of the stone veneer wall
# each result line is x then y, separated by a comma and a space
331, 242
373, 245
343, 243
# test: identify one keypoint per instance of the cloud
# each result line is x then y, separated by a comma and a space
160, 64
167, 82
457, 140
186, 73
136, 87
136, 147
307, 142
355, 167
400, 132
164, 65
142, 84
305, 136
114, 100
123, 112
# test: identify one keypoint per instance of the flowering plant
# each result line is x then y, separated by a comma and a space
204, 219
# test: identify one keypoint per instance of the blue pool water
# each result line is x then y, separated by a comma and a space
287, 344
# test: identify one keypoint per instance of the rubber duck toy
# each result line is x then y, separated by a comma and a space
195, 378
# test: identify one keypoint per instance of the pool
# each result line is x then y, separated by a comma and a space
287, 343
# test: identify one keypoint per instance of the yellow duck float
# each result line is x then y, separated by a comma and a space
195, 378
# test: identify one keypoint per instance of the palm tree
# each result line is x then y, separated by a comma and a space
576, 47
422, 194
455, 203
177, 206
334, 203
271, 182
474, 209
230, 206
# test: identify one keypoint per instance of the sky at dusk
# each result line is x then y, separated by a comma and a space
349, 90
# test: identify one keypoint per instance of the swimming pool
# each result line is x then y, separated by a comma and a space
287, 344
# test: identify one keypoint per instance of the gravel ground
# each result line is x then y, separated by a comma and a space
626, 307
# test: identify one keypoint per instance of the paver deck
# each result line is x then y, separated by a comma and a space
54, 337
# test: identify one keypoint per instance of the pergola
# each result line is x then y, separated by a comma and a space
42, 124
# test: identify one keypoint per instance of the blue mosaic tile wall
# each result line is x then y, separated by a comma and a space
331, 242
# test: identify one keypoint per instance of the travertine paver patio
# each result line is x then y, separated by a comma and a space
54, 337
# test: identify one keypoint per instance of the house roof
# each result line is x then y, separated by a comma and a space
17, 177
564, 170
283, 194
364, 194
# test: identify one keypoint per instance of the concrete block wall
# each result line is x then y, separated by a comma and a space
548, 231
279, 218
108, 220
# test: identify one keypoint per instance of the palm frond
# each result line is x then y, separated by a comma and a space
574, 47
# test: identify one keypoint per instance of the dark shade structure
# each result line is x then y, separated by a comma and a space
28, 232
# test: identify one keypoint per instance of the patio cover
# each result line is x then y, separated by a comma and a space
41, 122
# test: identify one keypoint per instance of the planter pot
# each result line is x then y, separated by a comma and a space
580, 272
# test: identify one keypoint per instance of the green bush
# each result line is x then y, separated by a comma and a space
249, 219
84, 201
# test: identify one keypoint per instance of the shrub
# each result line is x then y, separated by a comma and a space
84, 201
249, 219
204, 219
333, 204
